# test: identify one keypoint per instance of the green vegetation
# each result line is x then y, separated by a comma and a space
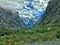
48, 29
11, 36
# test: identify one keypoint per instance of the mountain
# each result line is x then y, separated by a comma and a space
48, 29
9, 18
52, 14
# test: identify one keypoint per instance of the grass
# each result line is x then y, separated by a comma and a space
9, 36
38, 34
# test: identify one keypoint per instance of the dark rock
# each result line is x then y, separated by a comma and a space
9, 18
52, 14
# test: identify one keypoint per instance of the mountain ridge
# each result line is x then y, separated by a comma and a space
10, 18
52, 14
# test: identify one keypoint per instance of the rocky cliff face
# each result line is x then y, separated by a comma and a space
52, 14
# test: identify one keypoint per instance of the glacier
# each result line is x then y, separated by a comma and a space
30, 11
